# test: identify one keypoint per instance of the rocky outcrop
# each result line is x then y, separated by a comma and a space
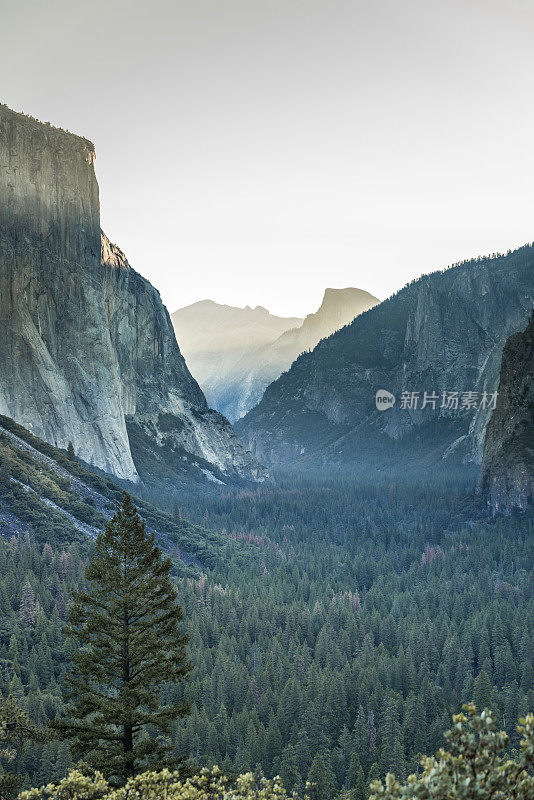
507, 475
242, 351
442, 333
87, 348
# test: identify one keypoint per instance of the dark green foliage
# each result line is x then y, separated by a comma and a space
16, 729
33, 650
320, 779
128, 642
320, 611
366, 608
27, 483
474, 766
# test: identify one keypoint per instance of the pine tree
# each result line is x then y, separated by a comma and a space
482, 690
374, 774
356, 778
71, 455
289, 770
128, 643
27, 608
359, 792
392, 751
321, 779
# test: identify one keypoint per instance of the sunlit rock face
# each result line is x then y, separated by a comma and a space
507, 476
87, 348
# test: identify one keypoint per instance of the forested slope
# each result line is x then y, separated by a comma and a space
50, 493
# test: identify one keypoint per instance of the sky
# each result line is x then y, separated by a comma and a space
255, 152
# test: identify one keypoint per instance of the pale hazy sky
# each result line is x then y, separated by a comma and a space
257, 151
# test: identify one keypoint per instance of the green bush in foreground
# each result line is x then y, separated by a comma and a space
207, 785
474, 766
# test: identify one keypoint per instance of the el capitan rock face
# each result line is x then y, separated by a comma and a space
507, 476
444, 332
57, 374
87, 348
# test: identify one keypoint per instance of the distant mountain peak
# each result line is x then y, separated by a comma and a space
236, 352
338, 308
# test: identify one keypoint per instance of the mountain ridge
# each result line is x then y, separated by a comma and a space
52, 496
444, 332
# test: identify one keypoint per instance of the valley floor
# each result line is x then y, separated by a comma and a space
339, 626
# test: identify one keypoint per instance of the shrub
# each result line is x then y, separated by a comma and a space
474, 767
207, 785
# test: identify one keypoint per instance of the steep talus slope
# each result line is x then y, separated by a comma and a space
240, 355
507, 475
442, 333
220, 344
88, 353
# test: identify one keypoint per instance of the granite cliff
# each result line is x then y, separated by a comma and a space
242, 351
507, 475
442, 333
88, 353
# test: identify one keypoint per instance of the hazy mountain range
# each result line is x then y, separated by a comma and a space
235, 353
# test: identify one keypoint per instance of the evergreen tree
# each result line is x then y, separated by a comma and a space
359, 792
356, 779
321, 779
71, 455
374, 773
128, 643
482, 690
27, 608
392, 753
289, 770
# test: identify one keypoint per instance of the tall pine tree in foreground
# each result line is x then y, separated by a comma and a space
128, 643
